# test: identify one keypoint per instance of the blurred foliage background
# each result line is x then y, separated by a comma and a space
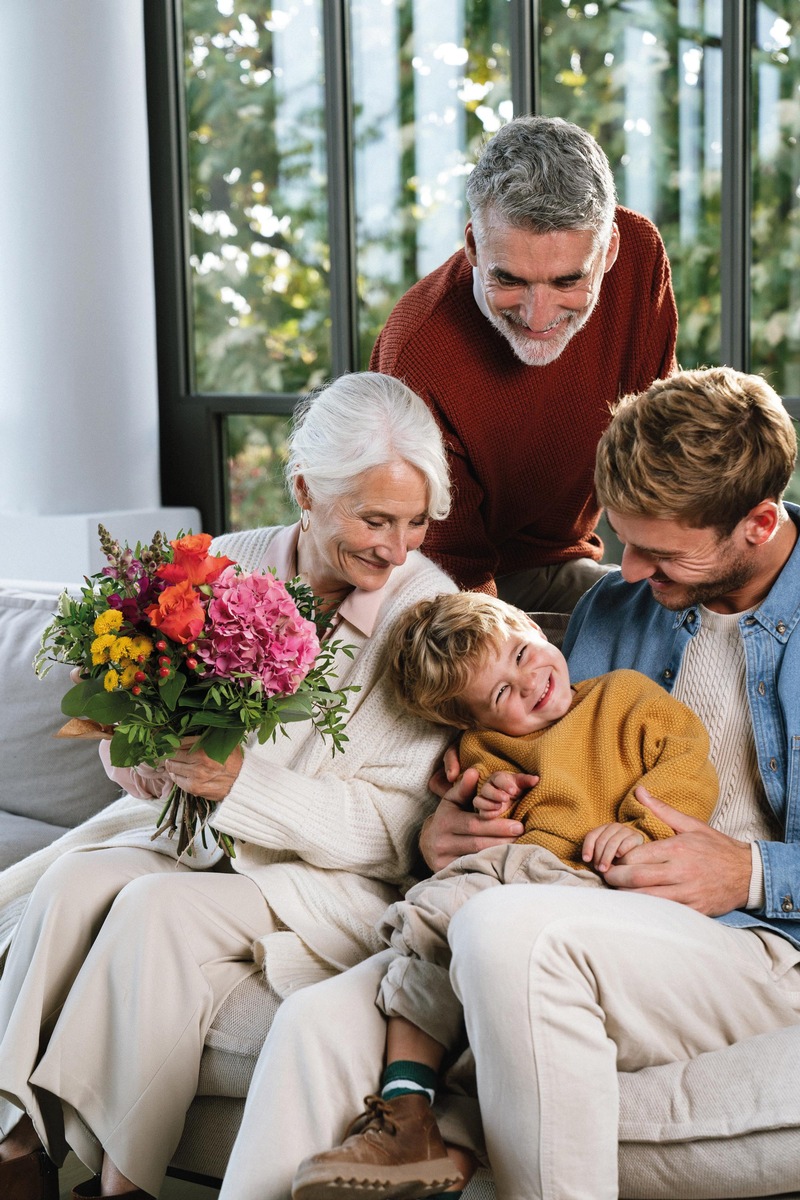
429, 82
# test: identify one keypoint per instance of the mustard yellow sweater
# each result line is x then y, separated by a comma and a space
622, 730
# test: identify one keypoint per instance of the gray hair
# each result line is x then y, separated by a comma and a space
361, 421
544, 174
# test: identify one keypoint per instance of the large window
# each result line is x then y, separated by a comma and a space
309, 163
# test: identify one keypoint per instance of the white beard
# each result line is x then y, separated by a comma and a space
540, 354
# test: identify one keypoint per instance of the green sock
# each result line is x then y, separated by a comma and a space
406, 1078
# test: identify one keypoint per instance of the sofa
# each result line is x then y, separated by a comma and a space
730, 1121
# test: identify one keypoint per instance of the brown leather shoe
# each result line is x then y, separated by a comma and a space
91, 1190
32, 1176
396, 1153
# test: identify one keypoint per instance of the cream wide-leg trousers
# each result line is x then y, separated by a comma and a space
117, 969
562, 988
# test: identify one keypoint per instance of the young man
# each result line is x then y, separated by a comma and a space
695, 947
560, 303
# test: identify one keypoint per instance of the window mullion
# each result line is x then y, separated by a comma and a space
524, 52
190, 433
341, 191
736, 257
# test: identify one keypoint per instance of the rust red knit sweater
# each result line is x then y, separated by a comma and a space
522, 439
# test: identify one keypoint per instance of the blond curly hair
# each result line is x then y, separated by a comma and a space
436, 645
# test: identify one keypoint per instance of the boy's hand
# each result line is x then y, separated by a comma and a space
500, 791
454, 829
602, 845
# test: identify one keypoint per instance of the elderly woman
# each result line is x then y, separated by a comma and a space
123, 956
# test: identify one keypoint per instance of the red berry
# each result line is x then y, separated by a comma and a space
164, 660
140, 678
161, 645
137, 691
163, 672
191, 663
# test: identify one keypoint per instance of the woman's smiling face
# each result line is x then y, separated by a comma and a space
521, 686
357, 540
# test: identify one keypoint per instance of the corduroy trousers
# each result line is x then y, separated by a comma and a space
119, 965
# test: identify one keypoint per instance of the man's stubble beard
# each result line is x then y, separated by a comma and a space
739, 571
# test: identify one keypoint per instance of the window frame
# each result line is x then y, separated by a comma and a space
192, 423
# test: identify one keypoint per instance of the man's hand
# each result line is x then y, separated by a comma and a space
453, 830
699, 867
195, 772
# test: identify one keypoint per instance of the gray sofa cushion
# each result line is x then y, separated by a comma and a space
60, 783
21, 836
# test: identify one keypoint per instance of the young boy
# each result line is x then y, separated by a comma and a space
478, 664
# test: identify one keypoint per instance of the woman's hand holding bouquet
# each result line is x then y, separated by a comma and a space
174, 643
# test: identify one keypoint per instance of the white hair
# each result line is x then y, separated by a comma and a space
544, 174
361, 421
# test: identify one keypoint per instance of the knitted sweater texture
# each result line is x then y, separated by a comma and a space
328, 839
622, 730
522, 440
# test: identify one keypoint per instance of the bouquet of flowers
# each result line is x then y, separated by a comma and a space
172, 643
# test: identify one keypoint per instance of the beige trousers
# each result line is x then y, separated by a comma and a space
119, 965
555, 589
562, 988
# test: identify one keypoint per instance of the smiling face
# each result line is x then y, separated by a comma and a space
686, 566
357, 540
540, 288
521, 686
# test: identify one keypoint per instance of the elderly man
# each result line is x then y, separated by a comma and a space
560, 303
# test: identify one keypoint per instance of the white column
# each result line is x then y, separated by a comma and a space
78, 394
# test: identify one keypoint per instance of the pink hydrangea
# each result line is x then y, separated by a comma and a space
256, 629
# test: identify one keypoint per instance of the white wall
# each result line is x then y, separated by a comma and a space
78, 396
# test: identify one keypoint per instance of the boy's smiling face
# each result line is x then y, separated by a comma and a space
521, 686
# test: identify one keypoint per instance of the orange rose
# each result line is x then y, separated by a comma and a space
179, 613
192, 561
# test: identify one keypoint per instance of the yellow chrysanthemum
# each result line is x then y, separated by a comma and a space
122, 651
108, 621
142, 648
102, 648
128, 676
111, 681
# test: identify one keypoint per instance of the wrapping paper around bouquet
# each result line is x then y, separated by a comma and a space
87, 730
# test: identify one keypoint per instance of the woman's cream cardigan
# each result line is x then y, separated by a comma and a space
329, 839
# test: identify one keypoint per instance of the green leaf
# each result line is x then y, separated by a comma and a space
223, 720
73, 703
295, 708
171, 688
123, 753
108, 708
220, 744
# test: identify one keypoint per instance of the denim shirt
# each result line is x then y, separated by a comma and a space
618, 624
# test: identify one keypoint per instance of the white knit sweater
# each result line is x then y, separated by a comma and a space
329, 839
